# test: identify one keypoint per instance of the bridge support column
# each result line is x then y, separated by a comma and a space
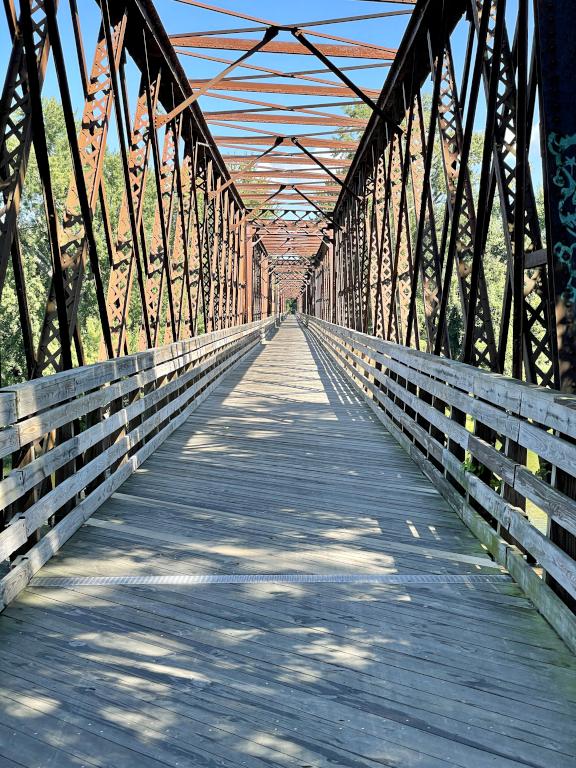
331, 310
555, 25
248, 279
265, 287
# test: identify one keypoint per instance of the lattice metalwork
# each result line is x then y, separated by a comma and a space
150, 285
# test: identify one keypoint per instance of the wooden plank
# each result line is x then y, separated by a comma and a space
12, 537
228, 352
20, 575
511, 520
34, 427
7, 409
9, 441
39, 394
37, 514
21, 481
286, 465
550, 447
494, 388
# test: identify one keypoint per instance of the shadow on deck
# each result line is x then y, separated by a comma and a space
282, 471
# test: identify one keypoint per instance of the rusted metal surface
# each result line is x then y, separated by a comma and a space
151, 291
459, 264
442, 173
404, 261
236, 44
309, 168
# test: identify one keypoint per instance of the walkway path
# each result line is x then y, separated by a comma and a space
282, 471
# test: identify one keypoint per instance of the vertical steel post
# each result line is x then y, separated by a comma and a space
555, 25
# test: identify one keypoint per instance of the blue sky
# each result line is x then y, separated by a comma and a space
179, 17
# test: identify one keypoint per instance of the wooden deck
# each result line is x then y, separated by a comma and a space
282, 471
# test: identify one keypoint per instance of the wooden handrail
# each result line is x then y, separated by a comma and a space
477, 436
73, 438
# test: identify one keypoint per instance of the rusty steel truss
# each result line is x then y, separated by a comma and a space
391, 233
443, 164
194, 269
197, 241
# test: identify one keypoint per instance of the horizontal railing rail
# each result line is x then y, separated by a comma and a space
483, 439
68, 441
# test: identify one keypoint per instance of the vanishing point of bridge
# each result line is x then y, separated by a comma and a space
288, 367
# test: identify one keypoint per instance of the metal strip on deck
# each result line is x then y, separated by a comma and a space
254, 578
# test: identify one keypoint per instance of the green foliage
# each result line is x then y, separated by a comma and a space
35, 250
469, 465
358, 111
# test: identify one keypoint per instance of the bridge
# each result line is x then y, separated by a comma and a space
288, 414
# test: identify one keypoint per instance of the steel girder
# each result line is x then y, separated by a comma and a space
464, 254
435, 175
169, 274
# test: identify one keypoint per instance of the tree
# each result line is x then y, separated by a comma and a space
359, 111
495, 254
36, 260
34, 247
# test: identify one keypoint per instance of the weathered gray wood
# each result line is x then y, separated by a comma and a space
504, 391
7, 408
547, 602
285, 467
36, 426
555, 410
20, 575
549, 447
556, 505
22, 480
349, 349
9, 441
219, 354
13, 537
39, 394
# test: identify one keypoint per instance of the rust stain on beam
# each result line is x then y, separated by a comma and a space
233, 84
299, 119
241, 44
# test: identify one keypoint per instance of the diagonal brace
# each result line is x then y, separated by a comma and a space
269, 35
301, 37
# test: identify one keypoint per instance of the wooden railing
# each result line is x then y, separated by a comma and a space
68, 441
501, 452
